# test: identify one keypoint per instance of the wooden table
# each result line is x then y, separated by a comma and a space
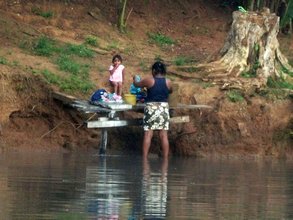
108, 112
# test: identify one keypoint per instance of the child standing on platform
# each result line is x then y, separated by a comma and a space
117, 72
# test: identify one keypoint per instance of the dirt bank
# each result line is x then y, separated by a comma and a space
259, 125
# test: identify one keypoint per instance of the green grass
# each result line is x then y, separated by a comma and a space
71, 59
45, 46
279, 83
286, 71
181, 61
71, 83
160, 39
92, 41
206, 85
114, 45
67, 64
3, 60
235, 96
44, 14
78, 50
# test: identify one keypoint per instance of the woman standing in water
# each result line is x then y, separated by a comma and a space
156, 112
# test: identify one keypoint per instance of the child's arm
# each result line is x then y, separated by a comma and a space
123, 74
113, 70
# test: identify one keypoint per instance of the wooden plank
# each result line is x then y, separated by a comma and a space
66, 99
114, 123
179, 119
185, 106
130, 122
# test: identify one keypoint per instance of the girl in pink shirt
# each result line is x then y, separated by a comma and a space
117, 72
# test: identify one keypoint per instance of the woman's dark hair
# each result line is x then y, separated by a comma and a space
159, 68
117, 56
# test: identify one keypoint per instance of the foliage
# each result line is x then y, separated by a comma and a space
44, 14
235, 96
79, 50
113, 45
45, 46
279, 83
67, 64
288, 14
72, 83
160, 39
286, 71
66, 55
92, 41
3, 60
181, 60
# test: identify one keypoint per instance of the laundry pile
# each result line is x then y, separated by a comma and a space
101, 95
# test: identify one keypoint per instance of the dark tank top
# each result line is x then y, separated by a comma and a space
159, 92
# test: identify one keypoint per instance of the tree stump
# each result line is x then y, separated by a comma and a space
251, 47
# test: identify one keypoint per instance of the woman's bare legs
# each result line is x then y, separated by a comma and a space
147, 138
164, 142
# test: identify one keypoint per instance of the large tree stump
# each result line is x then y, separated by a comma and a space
251, 46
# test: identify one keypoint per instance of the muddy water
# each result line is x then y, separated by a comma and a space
85, 186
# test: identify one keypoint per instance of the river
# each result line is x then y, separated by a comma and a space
78, 186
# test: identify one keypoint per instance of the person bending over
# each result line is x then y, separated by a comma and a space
156, 112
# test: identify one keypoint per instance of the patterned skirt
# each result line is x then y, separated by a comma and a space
156, 116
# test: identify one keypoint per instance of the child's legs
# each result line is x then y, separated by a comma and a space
115, 86
119, 89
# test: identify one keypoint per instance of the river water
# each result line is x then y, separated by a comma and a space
80, 186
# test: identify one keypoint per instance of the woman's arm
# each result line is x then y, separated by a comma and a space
169, 85
146, 82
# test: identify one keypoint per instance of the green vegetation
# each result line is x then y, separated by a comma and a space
286, 71
44, 14
92, 41
235, 96
206, 85
253, 70
78, 50
45, 46
182, 60
160, 39
113, 45
279, 83
68, 84
3, 60
71, 59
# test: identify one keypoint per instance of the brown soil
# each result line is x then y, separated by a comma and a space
31, 118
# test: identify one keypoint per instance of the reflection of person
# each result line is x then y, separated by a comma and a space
117, 72
154, 190
156, 112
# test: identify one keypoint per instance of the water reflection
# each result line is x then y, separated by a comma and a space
83, 186
135, 192
154, 189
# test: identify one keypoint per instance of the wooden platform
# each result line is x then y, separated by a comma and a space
107, 112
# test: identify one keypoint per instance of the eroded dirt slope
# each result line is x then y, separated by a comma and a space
31, 118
